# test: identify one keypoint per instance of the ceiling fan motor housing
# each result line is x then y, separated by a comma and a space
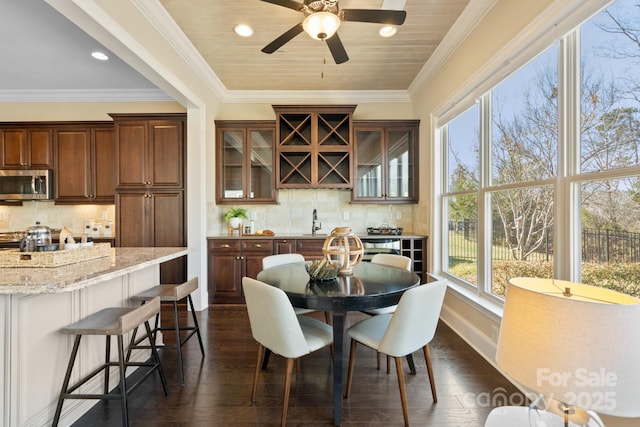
321, 6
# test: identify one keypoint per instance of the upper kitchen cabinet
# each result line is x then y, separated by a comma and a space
245, 157
314, 146
26, 146
85, 164
386, 153
150, 150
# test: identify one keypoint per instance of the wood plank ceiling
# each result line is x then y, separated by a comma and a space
375, 63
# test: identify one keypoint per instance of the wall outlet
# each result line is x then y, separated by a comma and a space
346, 215
253, 216
398, 215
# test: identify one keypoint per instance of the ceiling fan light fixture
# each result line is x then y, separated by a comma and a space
243, 30
388, 31
321, 25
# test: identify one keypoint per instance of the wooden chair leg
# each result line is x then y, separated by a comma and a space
352, 357
388, 363
427, 358
403, 393
287, 387
254, 387
378, 360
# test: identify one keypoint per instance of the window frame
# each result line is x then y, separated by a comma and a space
559, 19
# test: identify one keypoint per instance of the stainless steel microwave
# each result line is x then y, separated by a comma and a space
26, 184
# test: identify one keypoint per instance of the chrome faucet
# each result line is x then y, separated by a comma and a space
315, 228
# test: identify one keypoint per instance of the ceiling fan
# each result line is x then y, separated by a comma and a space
322, 19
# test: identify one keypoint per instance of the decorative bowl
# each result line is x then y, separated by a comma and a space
322, 269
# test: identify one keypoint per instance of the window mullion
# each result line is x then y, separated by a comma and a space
484, 198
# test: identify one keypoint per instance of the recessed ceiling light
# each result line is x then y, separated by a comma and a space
243, 30
100, 56
388, 31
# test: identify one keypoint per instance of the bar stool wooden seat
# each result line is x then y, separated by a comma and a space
112, 321
173, 294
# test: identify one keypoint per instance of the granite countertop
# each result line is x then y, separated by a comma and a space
83, 274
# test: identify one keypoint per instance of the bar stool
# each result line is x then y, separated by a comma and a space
112, 321
173, 294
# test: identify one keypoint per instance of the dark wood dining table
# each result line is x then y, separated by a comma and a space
370, 286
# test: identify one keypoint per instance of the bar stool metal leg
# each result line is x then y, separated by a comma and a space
112, 321
67, 377
195, 323
173, 293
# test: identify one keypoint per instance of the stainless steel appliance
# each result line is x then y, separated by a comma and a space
377, 245
36, 236
26, 184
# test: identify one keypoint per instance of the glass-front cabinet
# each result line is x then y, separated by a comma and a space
386, 153
245, 159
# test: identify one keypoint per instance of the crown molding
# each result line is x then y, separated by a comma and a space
322, 96
160, 19
84, 95
457, 34
157, 15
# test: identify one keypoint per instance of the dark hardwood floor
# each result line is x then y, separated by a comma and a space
217, 388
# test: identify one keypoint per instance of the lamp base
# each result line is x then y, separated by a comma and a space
510, 416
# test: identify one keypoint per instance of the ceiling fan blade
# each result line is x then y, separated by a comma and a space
337, 49
290, 4
376, 16
284, 38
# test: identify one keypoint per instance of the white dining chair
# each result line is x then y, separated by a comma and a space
275, 326
390, 260
279, 259
411, 327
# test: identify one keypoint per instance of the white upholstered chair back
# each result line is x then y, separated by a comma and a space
414, 322
279, 259
274, 323
392, 260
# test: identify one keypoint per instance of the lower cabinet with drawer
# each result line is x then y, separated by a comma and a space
311, 249
229, 261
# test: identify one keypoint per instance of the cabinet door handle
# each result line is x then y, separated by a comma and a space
257, 245
224, 246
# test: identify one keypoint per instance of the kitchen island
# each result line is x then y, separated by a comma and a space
35, 303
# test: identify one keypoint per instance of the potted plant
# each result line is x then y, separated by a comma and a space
235, 216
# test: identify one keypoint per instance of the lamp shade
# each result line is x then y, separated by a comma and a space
321, 25
575, 343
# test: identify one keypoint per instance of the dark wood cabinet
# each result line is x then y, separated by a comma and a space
314, 146
150, 185
244, 162
229, 260
386, 153
284, 246
151, 150
84, 164
27, 146
416, 249
311, 249
153, 218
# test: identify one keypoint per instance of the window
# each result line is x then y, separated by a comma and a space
532, 189
461, 200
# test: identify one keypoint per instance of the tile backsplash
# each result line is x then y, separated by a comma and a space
74, 217
293, 215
